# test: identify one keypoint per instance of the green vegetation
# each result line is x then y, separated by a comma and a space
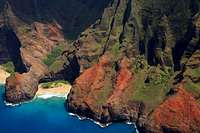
190, 85
116, 50
193, 72
55, 67
52, 59
96, 47
139, 63
158, 76
9, 67
193, 88
151, 86
152, 13
105, 92
25, 30
53, 84
198, 100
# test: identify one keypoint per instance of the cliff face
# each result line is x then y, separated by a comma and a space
151, 50
134, 60
34, 34
179, 113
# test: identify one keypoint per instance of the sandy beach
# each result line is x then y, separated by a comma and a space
3, 75
61, 91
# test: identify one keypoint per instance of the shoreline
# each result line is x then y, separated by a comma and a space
61, 91
81, 118
100, 124
44, 93
3, 75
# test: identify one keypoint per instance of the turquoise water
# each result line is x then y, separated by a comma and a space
49, 116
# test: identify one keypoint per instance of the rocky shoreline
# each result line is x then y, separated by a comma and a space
147, 123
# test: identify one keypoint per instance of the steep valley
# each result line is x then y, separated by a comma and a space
127, 60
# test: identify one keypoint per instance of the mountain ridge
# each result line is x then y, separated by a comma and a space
138, 61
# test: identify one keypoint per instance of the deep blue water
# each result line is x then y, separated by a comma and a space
49, 116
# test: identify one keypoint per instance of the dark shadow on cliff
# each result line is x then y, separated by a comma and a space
73, 15
181, 47
69, 72
2, 2
4, 55
11, 47
72, 70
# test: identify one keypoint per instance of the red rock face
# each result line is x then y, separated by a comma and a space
179, 113
124, 77
91, 83
99, 92
92, 76
20, 87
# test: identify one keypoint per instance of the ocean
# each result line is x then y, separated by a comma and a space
49, 116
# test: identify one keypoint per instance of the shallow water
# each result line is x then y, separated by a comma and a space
49, 116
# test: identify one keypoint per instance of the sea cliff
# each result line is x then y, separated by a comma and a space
128, 60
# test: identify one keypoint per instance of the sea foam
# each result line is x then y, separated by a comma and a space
95, 122
49, 95
100, 124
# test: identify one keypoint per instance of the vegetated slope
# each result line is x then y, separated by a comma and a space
140, 63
